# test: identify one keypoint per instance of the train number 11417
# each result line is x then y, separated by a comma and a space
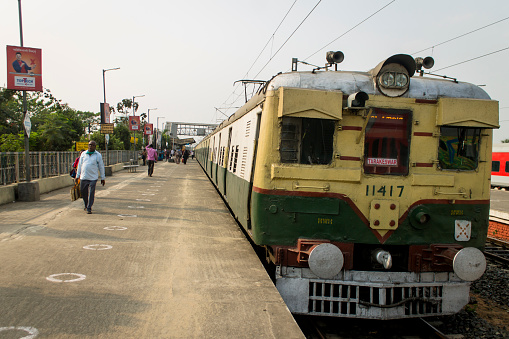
385, 191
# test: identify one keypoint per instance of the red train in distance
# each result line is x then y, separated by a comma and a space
500, 166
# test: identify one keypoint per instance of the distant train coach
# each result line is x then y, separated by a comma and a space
500, 166
368, 191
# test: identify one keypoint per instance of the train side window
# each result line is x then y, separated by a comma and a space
507, 166
236, 156
459, 148
307, 141
387, 142
495, 166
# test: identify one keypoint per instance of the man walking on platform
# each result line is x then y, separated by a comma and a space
151, 159
90, 166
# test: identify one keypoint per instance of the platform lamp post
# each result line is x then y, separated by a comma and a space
157, 127
134, 132
107, 136
27, 191
148, 116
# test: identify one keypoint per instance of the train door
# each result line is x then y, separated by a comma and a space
226, 153
217, 150
255, 148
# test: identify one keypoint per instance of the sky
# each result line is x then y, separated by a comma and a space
184, 56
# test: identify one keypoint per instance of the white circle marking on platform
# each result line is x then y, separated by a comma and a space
127, 215
98, 247
54, 279
115, 228
32, 331
142, 199
135, 206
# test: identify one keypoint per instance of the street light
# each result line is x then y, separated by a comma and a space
148, 114
148, 121
157, 127
107, 136
134, 132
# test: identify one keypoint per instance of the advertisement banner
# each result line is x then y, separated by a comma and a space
24, 68
149, 129
134, 123
105, 113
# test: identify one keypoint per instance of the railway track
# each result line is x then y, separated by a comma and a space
498, 249
315, 327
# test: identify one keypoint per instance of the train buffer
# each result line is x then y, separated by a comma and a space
159, 257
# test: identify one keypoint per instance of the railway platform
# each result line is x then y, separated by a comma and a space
160, 257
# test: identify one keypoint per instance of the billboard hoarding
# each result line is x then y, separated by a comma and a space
148, 129
24, 68
105, 113
134, 123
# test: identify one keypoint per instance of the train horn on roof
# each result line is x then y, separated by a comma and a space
427, 62
335, 57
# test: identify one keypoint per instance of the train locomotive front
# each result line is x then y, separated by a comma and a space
369, 190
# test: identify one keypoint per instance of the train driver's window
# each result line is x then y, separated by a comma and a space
307, 141
459, 148
387, 142
495, 166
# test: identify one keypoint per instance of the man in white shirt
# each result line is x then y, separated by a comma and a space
89, 168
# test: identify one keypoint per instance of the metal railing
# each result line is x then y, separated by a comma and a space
47, 164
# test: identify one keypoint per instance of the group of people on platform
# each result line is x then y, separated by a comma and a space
89, 167
166, 155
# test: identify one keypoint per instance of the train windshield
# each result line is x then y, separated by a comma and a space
387, 142
307, 141
459, 148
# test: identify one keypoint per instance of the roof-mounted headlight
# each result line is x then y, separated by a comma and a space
392, 76
394, 80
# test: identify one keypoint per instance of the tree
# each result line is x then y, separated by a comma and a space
506, 141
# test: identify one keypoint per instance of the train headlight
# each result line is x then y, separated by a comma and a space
392, 76
394, 80
326, 260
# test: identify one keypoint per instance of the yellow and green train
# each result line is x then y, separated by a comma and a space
369, 190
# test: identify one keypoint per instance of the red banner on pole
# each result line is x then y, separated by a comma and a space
134, 123
149, 128
24, 68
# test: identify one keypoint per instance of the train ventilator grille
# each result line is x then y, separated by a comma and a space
336, 299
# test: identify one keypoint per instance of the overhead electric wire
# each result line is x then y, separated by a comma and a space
263, 49
462, 35
284, 43
482, 56
351, 29
271, 38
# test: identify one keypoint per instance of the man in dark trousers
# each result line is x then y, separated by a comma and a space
151, 159
90, 166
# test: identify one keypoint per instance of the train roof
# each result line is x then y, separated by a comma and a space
350, 82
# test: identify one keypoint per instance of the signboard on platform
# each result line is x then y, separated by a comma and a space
81, 145
107, 128
24, 68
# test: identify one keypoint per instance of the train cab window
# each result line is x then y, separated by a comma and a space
459, 148
495, 166
307, 141
387, 142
